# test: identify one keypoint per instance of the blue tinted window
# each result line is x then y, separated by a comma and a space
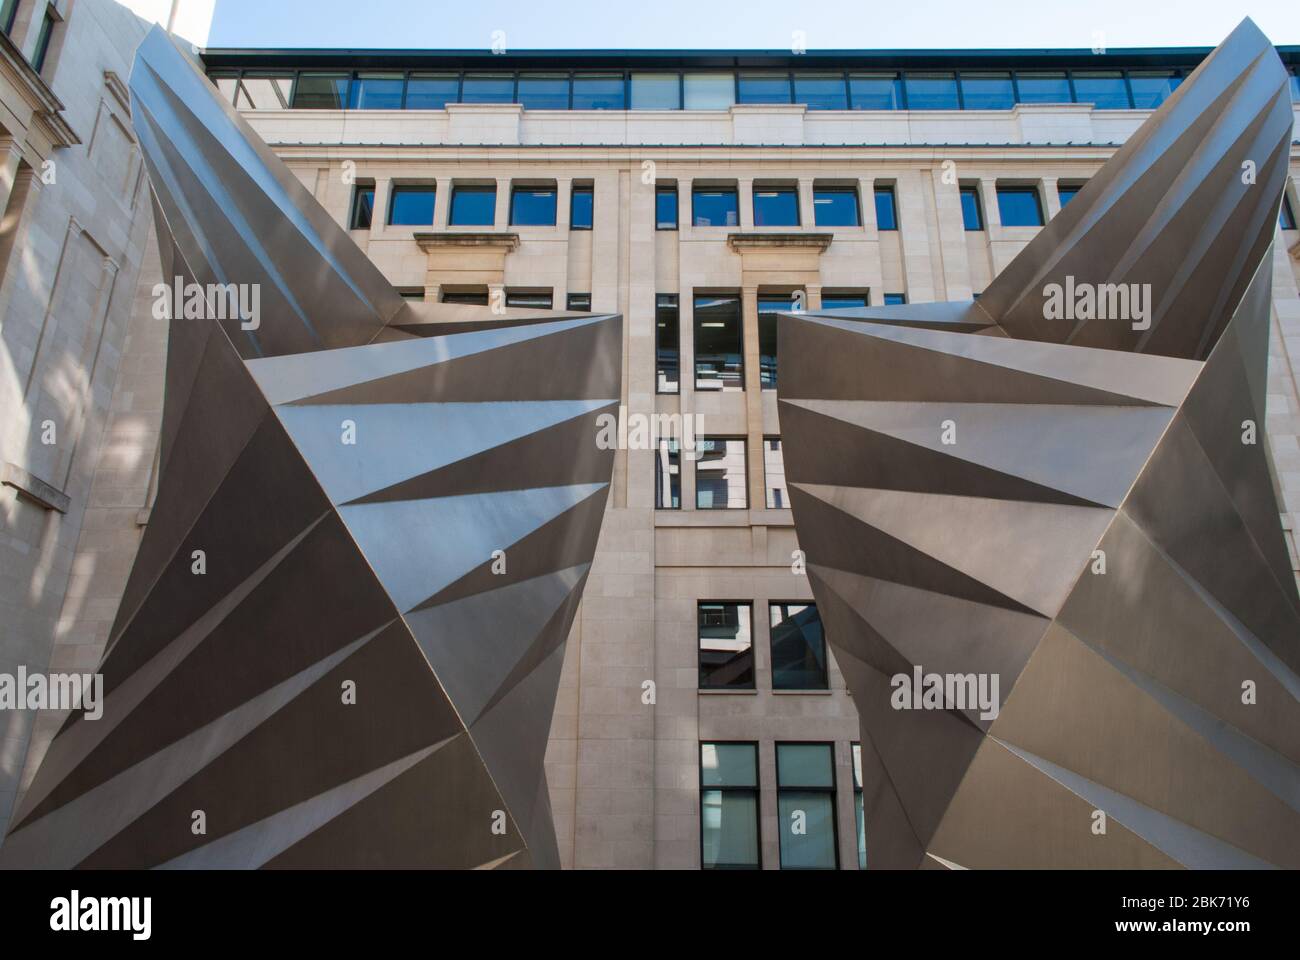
971, 216
764, 88
321, 91
875, 91
776, 207
431, 91
1066, 192
667, 343
836, 207
411, 206
768, 309
532, 206
895, 299
798, 647
886, 214
714, 207
1286, 218
538, 92
473, 206
1019, 207
581, 208
1295, 87
821, 93
987, 91
486, 88
1043, 87
1151, 88
1104, 89
376, 91
841, 301
931, 91
656, 91
666, 208
598, 93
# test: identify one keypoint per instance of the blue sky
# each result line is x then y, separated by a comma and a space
631, 24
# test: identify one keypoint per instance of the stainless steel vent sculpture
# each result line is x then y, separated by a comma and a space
1080, 507
396, 511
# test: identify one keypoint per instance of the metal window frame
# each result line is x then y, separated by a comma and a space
756, 790
830, 791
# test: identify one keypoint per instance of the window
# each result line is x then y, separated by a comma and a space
726, 648
8, 11
667, 343
729, 806
529, 299
264, 92
532, 207
1286, 216
656, 91
1043, 87
776, 494
719, 361
972, 217
542, 92
798, 647
1151, 87
714, 207
1295, 86
1066, 191
411, 205
720, 476
836, 207
840, 301
363, 207
886, 213
431, 91
1104, 89
320, 91
665, 208
598, 92
43, 38
415, 294
805, 799
763, 88
858, 808
821, 92
709, 91
776, 207
875, 91
931, 91
895, 299
227, 84
668, 475
769, 307
580, 302
488, 88
987, 91
1020, 207
474, 298
376, 91
581, 208
473, 206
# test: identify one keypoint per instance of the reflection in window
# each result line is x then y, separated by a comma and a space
714, 207
263, 92
769, 307
411, 205
729, 806
764, 88
532, 207
836, 207
656, 91
665, 208
886, 210
581, 208
777, 497
726, 647
668, 475
579, 302
719, 360
987, 91
895, 299
1104, 89
1048, 87
529, 299
840, 301
488, 88
875, 91
473, 206
857, 803
538, 91
1151, 87
1020, 207
431, 91
720, 482
1066, 192
8, 11
709, 91
1286, 216
798, 647
667, 343
363, 207
598, 92
821, 92
376, 91
805, 797
776, 207
972, 217
321, 91
931, 91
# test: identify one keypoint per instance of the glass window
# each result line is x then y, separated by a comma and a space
227, 84
987, 91
42, 49
840, 301
776, 207
473, 298
532, 206
8, 11
1151, 87
836, 207
665, 208
729, 806
777, 496
824, 92
895, 299
719, 361
931, 91
1104, 89
720, 477
541, 92
431, 91
769, 307
1051, 87
857, 803
321, 91
488, 88
668, 475
264, 92
473, 206
714, 207
581, 208
1286, 216
1019, 207
411, 205
598, 92
363, 207
798, 647
580, 302
376, 91
886, 212
764, 88
805, 797
529, 299
971, 216
656, 91
726, 647
411, 293
709, 91
667, 343
875, 91
1295, 86
1066, 191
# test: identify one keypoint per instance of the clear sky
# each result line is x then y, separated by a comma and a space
767, 24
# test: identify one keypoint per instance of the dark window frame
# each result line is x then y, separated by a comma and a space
753, 647
44, 39
1021, 189
784, 189
674, 448
699, 459
972, 190
756, 791
665, 190
359, 188
517, 188
831, 791
771, 652
676, 305
479, 189
396, 189
587, 190
888, 189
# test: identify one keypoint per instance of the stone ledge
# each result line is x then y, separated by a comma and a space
749, 241
34, 489
457, 239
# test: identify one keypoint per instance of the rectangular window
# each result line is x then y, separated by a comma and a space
668, 475
532, 207
719, 358
1295, 86
1286, 216
769, 306
798, 647
875, 91
321, 91
656, 91
729, 806
539, 91
709, 91
763, 88
1104, 89
411, 205
836, 207
726, 646
987, 91
266, 92
529, 299
667, 343
1053, 87
473, 297
841, 301
714, 207
581, 208
413, 294
488, 88
805, 798
8, 11
859, 809
579, 302
1020, 207
376, 91
824, 92
43, 38
895, 299
776, 207
363, 207
665, 208
720, 476
431, 91
777, 496
1151, 87
1065, 192
886, 211
598, 92
473, 205
227, 84
972, 217
931, 91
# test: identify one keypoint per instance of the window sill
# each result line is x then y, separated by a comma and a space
716, 692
